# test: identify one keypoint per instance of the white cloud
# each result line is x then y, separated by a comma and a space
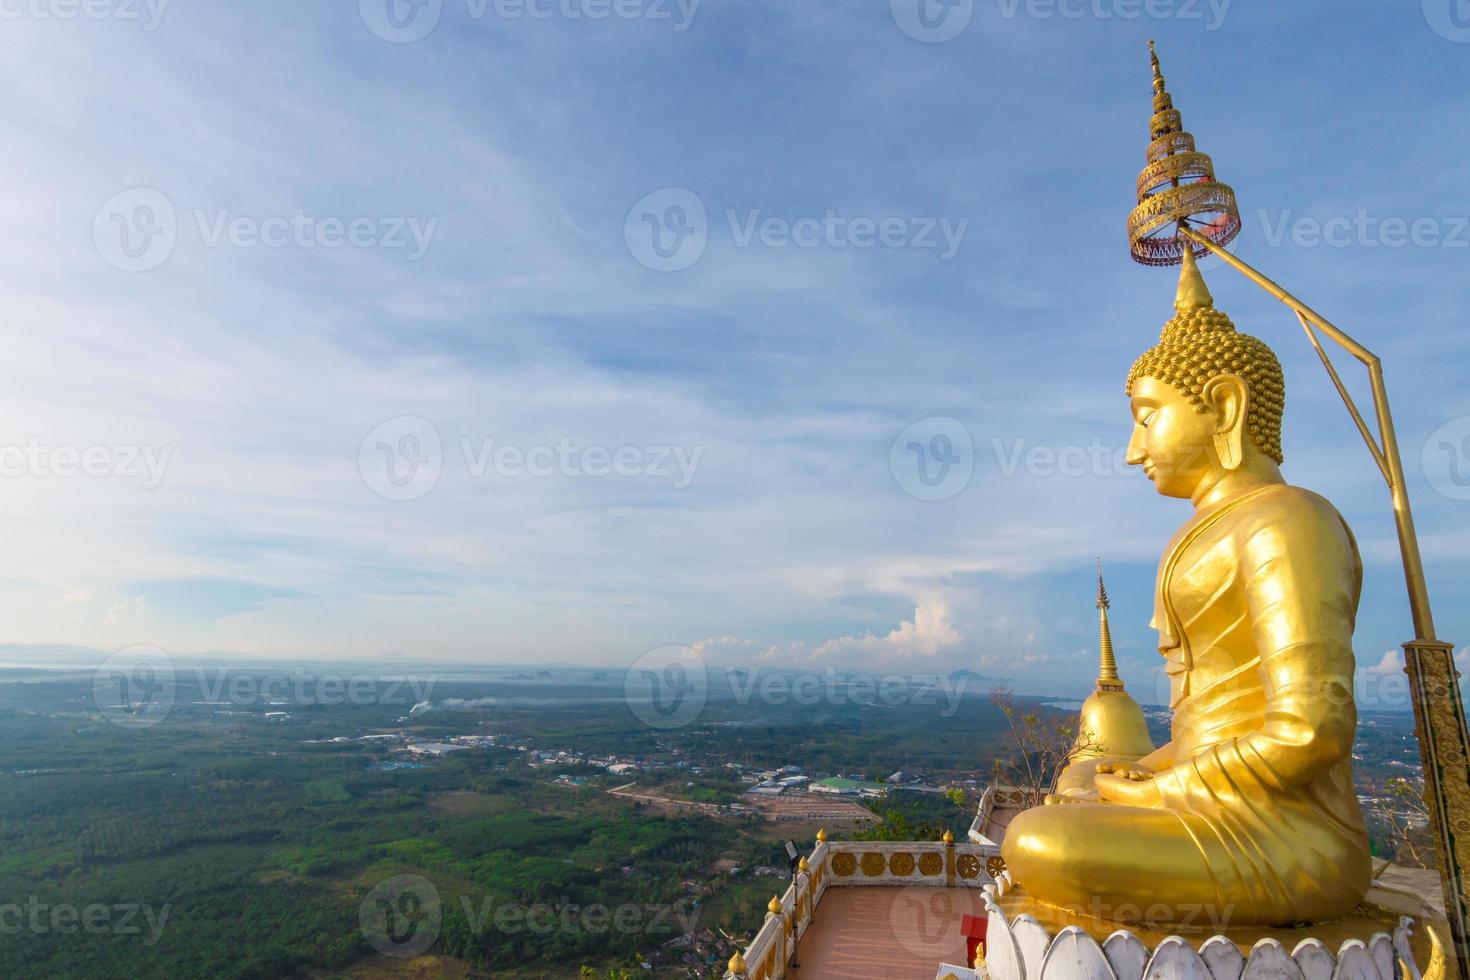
930, 633
1392, 663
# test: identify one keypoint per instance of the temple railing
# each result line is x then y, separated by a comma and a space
846, 864
982, 816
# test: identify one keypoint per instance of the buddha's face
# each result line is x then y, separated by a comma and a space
1171, 440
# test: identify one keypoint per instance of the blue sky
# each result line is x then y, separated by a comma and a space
244, 375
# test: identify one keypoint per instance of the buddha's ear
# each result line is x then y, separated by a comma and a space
1228, 396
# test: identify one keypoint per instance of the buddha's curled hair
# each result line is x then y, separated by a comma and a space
1199, 345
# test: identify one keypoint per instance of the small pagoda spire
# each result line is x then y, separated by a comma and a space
1107, 674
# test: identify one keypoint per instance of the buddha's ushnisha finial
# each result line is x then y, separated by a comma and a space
1177, 187
1193, 294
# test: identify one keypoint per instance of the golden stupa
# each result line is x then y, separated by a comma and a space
1111, 724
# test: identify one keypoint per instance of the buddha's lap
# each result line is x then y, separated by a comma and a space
1087, 847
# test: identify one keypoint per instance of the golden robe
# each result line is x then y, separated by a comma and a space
1257, 822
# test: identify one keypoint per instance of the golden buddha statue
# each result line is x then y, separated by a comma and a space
1249, 812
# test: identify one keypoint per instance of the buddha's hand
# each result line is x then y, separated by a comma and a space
1074, 796
1129, 785
1126, 770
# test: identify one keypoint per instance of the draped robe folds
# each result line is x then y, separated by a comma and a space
1258, 822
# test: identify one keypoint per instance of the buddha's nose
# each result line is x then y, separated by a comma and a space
1136, 455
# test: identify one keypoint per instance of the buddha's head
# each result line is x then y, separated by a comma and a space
1206, 400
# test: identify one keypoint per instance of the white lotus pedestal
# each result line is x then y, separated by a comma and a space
1394, 936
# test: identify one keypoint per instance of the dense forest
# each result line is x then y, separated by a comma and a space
225, 843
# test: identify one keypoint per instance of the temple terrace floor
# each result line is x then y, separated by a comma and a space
886, 933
